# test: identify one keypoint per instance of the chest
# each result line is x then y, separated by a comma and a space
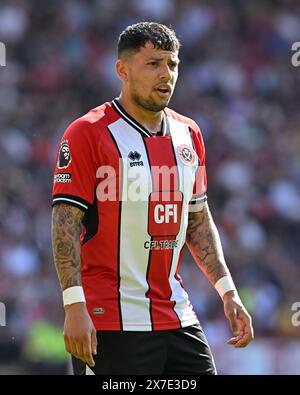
146, 165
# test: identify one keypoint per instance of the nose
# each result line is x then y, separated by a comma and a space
165, 73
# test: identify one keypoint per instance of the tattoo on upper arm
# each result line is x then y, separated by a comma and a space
204, 243
66, 229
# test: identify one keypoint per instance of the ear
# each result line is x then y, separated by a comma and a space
121, 68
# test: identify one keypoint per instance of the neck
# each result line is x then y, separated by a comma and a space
149, 119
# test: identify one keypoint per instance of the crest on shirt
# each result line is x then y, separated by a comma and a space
64, 156
187, 155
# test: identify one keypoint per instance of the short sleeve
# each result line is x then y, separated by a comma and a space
200, 185
74, 180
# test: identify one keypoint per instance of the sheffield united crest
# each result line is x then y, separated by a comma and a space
187, 154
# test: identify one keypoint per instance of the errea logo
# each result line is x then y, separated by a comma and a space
135, 157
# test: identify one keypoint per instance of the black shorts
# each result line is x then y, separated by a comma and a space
170, 352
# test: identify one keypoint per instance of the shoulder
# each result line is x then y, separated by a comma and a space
183, 119
195, 132
90, 124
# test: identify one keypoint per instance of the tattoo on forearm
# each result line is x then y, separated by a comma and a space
66, 229
204, 243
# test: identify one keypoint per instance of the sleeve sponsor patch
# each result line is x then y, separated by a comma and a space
65, 178
64, 156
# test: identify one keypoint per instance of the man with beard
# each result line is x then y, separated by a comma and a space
117, 257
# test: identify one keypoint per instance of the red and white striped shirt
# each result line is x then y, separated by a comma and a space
136, 214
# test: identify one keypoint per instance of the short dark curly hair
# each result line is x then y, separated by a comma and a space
136, 36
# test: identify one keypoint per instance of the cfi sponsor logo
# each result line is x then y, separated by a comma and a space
64, 156
64, 178
187, 154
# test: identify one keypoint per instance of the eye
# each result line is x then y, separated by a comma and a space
173, 65
153, 63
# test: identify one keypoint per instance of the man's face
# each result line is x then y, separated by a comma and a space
151, 78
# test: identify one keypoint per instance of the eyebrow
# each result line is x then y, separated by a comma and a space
160, 59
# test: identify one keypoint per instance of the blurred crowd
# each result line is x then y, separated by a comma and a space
236, 81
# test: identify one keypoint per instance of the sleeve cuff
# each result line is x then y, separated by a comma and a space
197, 202
71, 200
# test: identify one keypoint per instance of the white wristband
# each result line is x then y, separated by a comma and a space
73, 295
224, 285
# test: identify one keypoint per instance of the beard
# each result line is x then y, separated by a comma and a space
149, 104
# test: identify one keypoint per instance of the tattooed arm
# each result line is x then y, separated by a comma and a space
204, 243
66, 229
79, 332
205, 246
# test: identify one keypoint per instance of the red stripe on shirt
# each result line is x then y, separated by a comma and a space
102, 287
160, 153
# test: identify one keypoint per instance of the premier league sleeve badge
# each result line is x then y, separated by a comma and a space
64, 156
